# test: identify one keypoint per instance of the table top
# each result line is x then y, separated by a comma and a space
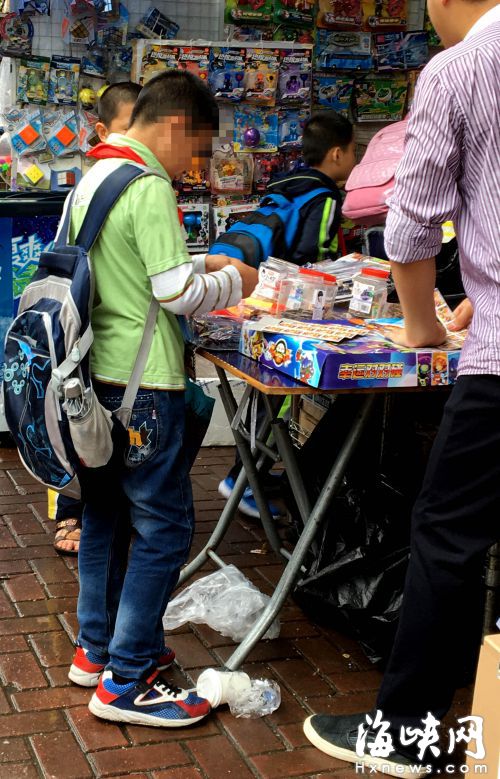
271, 382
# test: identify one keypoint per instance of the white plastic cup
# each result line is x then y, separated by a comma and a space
222, 686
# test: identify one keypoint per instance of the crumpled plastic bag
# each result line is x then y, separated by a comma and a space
225, 600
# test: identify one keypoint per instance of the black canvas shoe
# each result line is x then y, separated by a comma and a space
337, 736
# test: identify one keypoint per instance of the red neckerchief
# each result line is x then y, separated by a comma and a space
106, 151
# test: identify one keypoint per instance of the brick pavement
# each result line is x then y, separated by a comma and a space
45, 727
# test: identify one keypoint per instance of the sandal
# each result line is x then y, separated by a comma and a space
68, 530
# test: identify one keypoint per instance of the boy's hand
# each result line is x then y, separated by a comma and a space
215, 262
249, 277
462, 316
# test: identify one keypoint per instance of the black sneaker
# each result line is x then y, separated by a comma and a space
337, 736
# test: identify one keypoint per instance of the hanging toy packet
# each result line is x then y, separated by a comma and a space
294, 87
25, 128
340, 14
61, 131
16, 35
63, 80
33, 80
295, 12
255, 129
256, 11
261, 79
156, 58
195, 60
385, 14
227, 74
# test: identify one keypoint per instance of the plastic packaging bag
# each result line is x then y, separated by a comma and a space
225, 600
263, 698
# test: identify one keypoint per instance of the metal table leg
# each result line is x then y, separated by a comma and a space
292, 569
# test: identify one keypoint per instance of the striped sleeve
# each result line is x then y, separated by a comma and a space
182, 291
426, 192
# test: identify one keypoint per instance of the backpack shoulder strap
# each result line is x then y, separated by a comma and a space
104, 198
302, 200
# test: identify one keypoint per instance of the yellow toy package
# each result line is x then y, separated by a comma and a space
385, 14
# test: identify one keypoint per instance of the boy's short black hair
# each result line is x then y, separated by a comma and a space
176, 92
322, 132
113, 97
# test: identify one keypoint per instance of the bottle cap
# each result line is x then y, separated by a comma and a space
377, 272
325, 276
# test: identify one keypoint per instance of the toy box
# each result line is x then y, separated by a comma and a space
363, 362
344, 50
225, 216
380, 99
196, 223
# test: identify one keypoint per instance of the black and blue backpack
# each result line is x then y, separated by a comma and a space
270, 231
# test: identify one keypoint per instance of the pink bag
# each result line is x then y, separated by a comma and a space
372, 181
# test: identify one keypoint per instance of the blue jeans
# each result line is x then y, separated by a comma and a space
136, 537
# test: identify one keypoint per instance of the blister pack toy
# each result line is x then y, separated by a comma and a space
291, 127
16, 35
293, 34
294, 12
25, 128
380, 99
195, 59
196, 223
226, 216
231, 173
344, 51
78, 29
257, 11
294, 83
340, 14
333, 92
154, 24
255, 130
60, 129
94, 63
192, 182
385, 14
261, 76
156, 59
120, 59
63, 80
112, 28
33, 80
227, 74
398, 50
244, 32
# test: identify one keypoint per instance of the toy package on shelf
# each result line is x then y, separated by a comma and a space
195, 60
294, 34
340, 14
25, 128
192, 182
291, 127
63, 80
94, 63
261, 76
112, 28
154, 24
385, 14
60, 129
33, 80
196, 223
343, 51
333, 92
16, 35
255, 129
78, 28
227, 74
294, 12
255, 11
242, 33
156, 58
294, 84
231, 173
397, 50
380, 99
225, 216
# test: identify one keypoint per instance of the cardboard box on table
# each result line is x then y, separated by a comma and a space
486, 704
363, 362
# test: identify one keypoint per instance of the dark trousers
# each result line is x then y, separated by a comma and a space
455, 521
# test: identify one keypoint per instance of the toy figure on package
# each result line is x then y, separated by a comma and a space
293, 34
120, 59
192, 182
25, 128
243, 33
227, 73
385, 14
156, 58
397, 50
333, 92
344, 51
380, 99
255, 130
63, 80
154, 24
231, 173
226, 216
196, 223
299, 12
340, 14
257, 11
79, 29
111, 29
294, 83
60, 129
261, 77
195, 59
291, 127
94, 63
16, 35
33, 80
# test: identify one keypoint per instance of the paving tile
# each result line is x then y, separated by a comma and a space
51, 698
58, 676
92, 733
24, 587
110, 761
64, 590
31, 722
294, 734
301, 677
357, 681
59, 756
18, 771
12, 644
53, 571
51, 606
70, 625
6, 608
262, 652
24, 524
324, 655
252, 736
191, 653
350, 703
280, 764
8, 567
20, 670
4, 703
141, 735
53, 648
219, 759
13, 750
28, 625
188, 772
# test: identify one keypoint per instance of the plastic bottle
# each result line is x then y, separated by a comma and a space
369, 293
249, 698
261, 699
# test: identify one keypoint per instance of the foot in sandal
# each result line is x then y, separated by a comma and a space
67, 538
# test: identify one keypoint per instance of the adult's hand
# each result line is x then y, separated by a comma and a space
462, 316
249, 277
435, 336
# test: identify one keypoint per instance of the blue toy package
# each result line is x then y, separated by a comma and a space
112, 28
294, 85
227, 74
344, 50
60, 129
416, 49
25, 128
94, 63
63, 80
333, 92
255, 130
291, 127
398, 50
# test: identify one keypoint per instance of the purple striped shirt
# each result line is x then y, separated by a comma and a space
451, 170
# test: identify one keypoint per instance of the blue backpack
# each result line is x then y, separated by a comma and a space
49, 343
270, 231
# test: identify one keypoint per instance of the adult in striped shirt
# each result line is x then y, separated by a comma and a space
450, 170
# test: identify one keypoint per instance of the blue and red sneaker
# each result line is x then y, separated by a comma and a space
152, 701
87, 666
